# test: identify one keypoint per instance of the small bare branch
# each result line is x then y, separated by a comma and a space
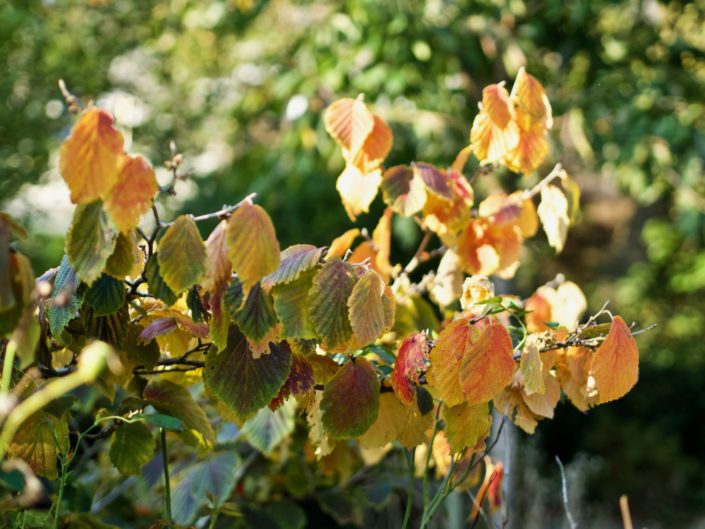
564, 483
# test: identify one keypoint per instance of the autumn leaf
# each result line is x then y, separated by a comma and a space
90, 241
375, 148
396, 421
182, 255
466, 425
411, 362
126, 255
299, 381
350, 402
327, 302
371, 313
553, 212
572, 371
494, 132
341, 244
290, 306
133, 447
531, 368
156, 283
90, 156
131, 196
446, 357
253, 248
357, 189
241, 382
349, 122
258, 321
106, 295
615, 364
403, 190
435, 180
487, 366
36, 443
295, 260
218, 267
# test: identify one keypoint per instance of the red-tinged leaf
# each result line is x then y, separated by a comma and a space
253, 248
328, 303
412, 361
445, 217
446, 357
403, 190
494, 132
131, 196
175, 400
199, 330
258, 321
376, 147
435, 180
242, 383
299, 381
218, 267
182, 255
349, 123
615, 364
90, 156
351, 400
294, 261
220, 320
366, 308
90, 241
357, 189
159, 327
487, 366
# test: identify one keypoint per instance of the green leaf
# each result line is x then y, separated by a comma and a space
157, 285
138, 352
124, 256
351, 400
253, 248
106, 295
295, 260
12, 479
193, 302
220, 322
257, 319
266, 430
290, 306
7, 296
371, 312
133, 447
36, 443
233, 298
182, 255
209, 481
245, 384
287, 514
90, 241
65, 301
172, 399
162, 421
328, 303
111, 329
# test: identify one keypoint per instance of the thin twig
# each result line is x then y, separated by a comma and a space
220, 214
572, 523
624, 509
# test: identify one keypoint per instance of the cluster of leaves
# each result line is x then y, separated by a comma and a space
340, 333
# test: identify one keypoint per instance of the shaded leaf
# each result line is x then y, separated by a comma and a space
182, 255
257, 320
266, 430
350, 400
36, 443
106, 295
131, 196
89, 157
90, 241
133, 447
253, 248
157, 285
218, 267
124, 257
65, 301
366, 308
466, 425
300, 380
245, 384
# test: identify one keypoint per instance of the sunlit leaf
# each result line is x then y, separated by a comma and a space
90, 241
290, 306
90, 156
366, 308
351, 400
182, 255
403, 190
487, 365
218, 267
531, 368
375, 148
466, 425
615, 364
245, 384
349, 123
327, 302
132, 447
553, 212
357, 189
494, 132
295, 260
253, 248
131, 196
434, 179
412, 361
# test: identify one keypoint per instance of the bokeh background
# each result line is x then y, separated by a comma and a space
240, 85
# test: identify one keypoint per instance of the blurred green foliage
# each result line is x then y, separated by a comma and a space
239, 85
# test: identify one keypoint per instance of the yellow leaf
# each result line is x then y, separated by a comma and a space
182, 255
530, 96
253, 248
553, 212
615, 364
90, 156
531, 368
357, 189
342, 244
131, 197
466, 425
366, 309
494, 132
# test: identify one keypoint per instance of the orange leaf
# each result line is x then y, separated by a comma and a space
615, 364
349, 122
131, 197
494, 132
488, 365
376, 147
529, 95
412, 360
342, 244
218, 267
90, 156
253, 248
530, 151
